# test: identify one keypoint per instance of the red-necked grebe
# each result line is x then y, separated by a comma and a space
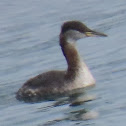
77, 74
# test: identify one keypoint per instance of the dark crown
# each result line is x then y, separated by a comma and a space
74, 25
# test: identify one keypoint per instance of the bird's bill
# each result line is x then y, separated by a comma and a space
94, 33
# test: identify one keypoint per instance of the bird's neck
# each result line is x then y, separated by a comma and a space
72, 57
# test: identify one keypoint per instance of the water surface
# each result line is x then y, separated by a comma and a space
29, 32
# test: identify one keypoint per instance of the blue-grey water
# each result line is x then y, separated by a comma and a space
29, 32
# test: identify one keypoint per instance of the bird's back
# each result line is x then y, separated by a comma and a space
51, 82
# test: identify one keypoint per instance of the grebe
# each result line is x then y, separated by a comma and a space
77, 74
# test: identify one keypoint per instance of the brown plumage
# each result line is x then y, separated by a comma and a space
77, 74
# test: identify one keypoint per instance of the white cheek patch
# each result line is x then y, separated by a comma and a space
73, 35
70, 40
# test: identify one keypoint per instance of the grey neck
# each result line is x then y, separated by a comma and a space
72, 57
